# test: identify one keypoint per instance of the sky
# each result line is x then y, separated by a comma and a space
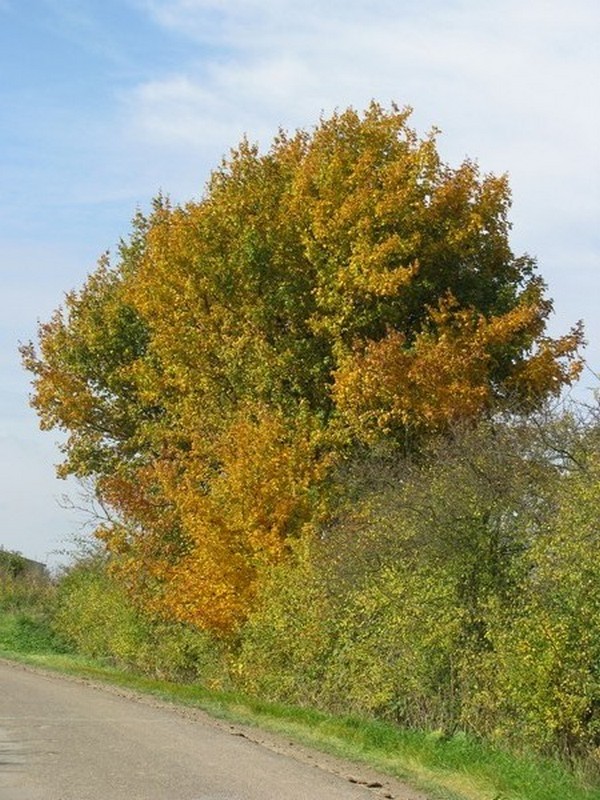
104, 103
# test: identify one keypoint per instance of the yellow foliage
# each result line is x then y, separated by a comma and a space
234, 517
447, 373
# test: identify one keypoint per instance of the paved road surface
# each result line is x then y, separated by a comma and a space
62, 739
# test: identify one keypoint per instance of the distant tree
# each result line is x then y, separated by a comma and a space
12, 564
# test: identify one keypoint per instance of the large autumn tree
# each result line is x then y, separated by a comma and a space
344, 286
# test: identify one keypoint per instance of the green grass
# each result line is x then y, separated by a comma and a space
25, 632
456, 768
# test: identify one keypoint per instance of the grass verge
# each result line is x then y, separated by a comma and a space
456, 768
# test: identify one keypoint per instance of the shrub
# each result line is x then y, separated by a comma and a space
394, 657
286, 640
94, 614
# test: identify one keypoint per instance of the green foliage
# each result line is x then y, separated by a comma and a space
26, 632
27, 600
395, 649
462, 583
179, 652
286, 640
547, 656
96, 616
24, 593
83, 375
11, 564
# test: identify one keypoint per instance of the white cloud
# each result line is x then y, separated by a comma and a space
231, 99
510, 82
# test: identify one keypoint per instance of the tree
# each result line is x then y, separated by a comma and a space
344, 286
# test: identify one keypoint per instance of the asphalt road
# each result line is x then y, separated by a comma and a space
64, 739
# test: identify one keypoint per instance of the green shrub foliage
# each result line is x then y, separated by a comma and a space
96, 616
454, 591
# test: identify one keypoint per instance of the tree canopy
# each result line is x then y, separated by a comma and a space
343, 287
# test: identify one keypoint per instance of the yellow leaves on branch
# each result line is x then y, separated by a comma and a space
259, 498
449, 371
235, 516
552, 366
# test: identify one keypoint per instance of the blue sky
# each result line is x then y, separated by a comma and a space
105, 102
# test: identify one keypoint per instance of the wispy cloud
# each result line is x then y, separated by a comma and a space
488, 73
76, 23
229, 100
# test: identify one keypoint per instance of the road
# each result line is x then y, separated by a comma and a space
65, 739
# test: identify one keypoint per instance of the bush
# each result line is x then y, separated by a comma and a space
395, 652
95, 614
179, 652
24, 632
26, 606
547, 653
286, 640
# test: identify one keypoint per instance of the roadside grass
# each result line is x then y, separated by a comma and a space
455, 768
24, 632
